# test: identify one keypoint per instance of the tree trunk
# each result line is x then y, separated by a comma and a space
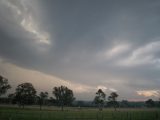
40, 107
100, 107
61, 107
19, 105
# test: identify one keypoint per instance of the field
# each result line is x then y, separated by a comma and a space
13, 113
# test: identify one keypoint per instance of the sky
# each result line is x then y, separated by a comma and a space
86, 45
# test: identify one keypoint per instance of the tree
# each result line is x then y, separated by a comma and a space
42, 98
4, 86
159, 102
112, 100
124, 103
25, 94
63, 96
150, 103
80, 103
100, 99
11, 98
52, 101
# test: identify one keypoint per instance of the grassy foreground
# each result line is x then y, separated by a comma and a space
12, 113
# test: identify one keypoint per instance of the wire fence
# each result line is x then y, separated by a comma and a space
150, 115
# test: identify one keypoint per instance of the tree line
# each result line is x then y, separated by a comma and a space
26, 94
100, 99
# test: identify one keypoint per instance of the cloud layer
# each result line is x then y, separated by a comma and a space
86, 45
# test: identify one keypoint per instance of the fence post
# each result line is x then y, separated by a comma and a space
112, 116
157, 116
129, 116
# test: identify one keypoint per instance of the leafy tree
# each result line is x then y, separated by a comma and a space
11, 98
63, 96
80, 103
25, 94
42, 98
124, 103
150, 103
100, 99
159, 102
4, 86
112, 100
52, 101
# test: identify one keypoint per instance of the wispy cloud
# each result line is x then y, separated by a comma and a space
106, 89
149, 93
102, 87
113, 89
64, 42
117, 50
111, 53
27, 21
143, 55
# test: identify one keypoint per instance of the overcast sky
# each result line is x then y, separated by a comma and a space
83, 44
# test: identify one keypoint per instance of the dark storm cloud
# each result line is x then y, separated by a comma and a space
17, 44
91, 42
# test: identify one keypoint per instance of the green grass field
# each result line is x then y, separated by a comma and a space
12, 113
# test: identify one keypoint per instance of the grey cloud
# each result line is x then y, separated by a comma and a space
80, 31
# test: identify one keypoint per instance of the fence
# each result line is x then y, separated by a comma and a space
78, 115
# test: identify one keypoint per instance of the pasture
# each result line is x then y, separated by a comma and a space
13, 113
